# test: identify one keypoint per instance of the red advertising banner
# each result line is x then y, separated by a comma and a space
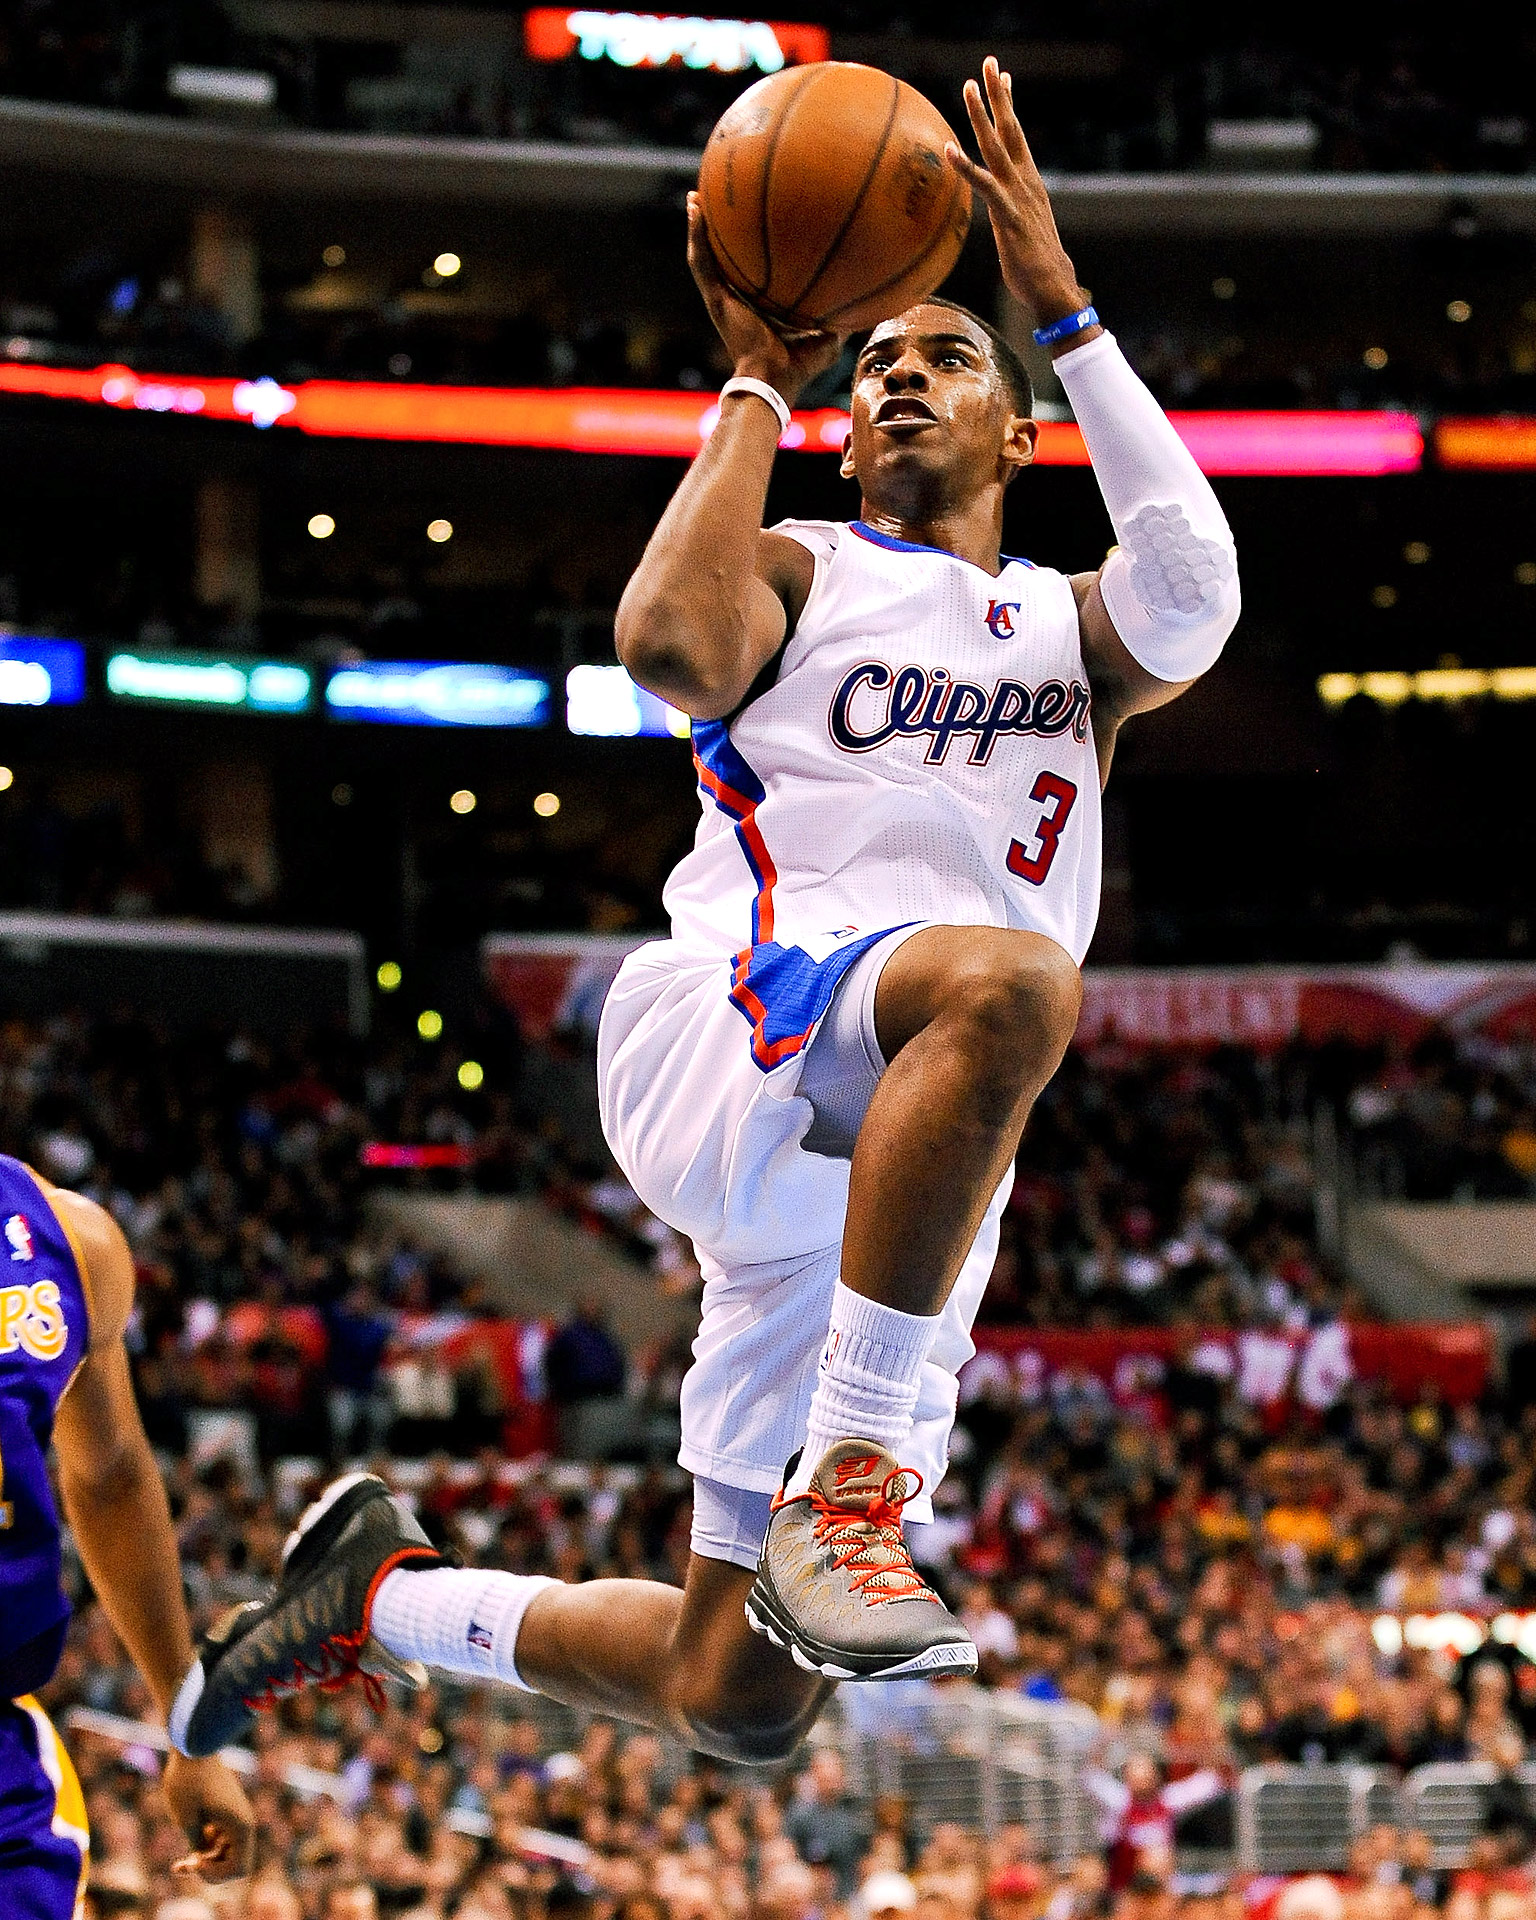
1310, 1369
559, 979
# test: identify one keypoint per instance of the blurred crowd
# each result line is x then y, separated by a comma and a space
1218, 1590
1206, 1582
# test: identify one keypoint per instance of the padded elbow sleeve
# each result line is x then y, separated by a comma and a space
1171, 587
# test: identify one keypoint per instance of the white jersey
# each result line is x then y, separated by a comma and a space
924, 754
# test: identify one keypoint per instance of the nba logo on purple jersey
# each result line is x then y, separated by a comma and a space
18, 1237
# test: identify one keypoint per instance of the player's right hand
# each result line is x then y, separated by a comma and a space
211, 1806
787, 361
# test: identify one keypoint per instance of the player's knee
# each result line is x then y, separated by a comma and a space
1017, 999
750, 1729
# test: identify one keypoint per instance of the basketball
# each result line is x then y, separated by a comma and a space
828, 197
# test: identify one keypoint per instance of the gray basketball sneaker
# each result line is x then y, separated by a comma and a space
315, 1629
836, 1585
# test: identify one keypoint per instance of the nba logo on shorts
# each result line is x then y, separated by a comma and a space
19, 1237
1000, 618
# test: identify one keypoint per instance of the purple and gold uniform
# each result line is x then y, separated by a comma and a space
44, 1333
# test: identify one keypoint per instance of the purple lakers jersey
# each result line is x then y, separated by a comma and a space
43, 1338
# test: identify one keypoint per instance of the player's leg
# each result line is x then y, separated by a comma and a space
363, 1591
972, 1023
968, 1025
44, 1843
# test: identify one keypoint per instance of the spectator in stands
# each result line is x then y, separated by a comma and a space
828, 1826
1140, 1813
583, 1360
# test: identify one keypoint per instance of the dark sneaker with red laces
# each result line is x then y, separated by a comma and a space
314, 1630
836, 1585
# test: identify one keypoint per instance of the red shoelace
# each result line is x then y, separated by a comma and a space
341, 1658
873, 1528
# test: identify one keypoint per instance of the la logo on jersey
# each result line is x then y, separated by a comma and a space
1000, 618
18, 1237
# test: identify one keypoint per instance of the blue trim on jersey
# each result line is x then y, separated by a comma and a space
737, 791
879, 539
784, 992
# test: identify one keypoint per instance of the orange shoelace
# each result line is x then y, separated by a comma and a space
340, 1666
873, 1529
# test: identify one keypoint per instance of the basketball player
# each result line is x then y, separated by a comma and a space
66, 1286
823, 1076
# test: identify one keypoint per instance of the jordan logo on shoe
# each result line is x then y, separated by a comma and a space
858, 1466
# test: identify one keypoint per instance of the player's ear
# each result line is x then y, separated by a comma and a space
847, 468
1019, 440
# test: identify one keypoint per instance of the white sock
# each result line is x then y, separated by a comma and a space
867, 1385
464, 1620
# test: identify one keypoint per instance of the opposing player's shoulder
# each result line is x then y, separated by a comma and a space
104, 1254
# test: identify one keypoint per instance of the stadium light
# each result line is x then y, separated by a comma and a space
210, 680
1447, 684
438, 693
604, 703
41, 673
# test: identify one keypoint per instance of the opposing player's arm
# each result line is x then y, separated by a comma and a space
1158, 612
714, 596
115, 1502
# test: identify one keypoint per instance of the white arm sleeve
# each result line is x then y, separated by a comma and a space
1171, 586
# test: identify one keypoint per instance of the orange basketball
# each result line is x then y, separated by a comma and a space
828, 197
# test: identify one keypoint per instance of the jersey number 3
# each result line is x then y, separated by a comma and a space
1058, 797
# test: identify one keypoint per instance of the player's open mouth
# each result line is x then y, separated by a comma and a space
907, 411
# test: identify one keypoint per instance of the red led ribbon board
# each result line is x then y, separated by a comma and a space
1506, 443
637, 421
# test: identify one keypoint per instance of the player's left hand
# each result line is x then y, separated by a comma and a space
1036, 269
211, 1805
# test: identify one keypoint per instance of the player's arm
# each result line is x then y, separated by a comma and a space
714, 597
1158, 612
115, 1502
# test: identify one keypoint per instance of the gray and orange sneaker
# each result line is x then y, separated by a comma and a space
315, 1629
836, 1585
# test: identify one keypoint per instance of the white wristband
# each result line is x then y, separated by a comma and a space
744, 383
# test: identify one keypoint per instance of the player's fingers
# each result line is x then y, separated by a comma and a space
1006, 119
993, 152
979, 179
1001, 102
701, 255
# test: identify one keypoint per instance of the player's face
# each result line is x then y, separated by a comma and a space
930, 409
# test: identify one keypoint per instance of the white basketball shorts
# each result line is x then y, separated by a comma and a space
717, 1147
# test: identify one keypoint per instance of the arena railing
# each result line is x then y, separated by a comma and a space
263, 977
981, 1760
275, 163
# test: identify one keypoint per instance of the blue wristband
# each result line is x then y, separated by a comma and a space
1078, 322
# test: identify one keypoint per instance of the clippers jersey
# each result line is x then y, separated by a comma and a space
925, 754
44, 1333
